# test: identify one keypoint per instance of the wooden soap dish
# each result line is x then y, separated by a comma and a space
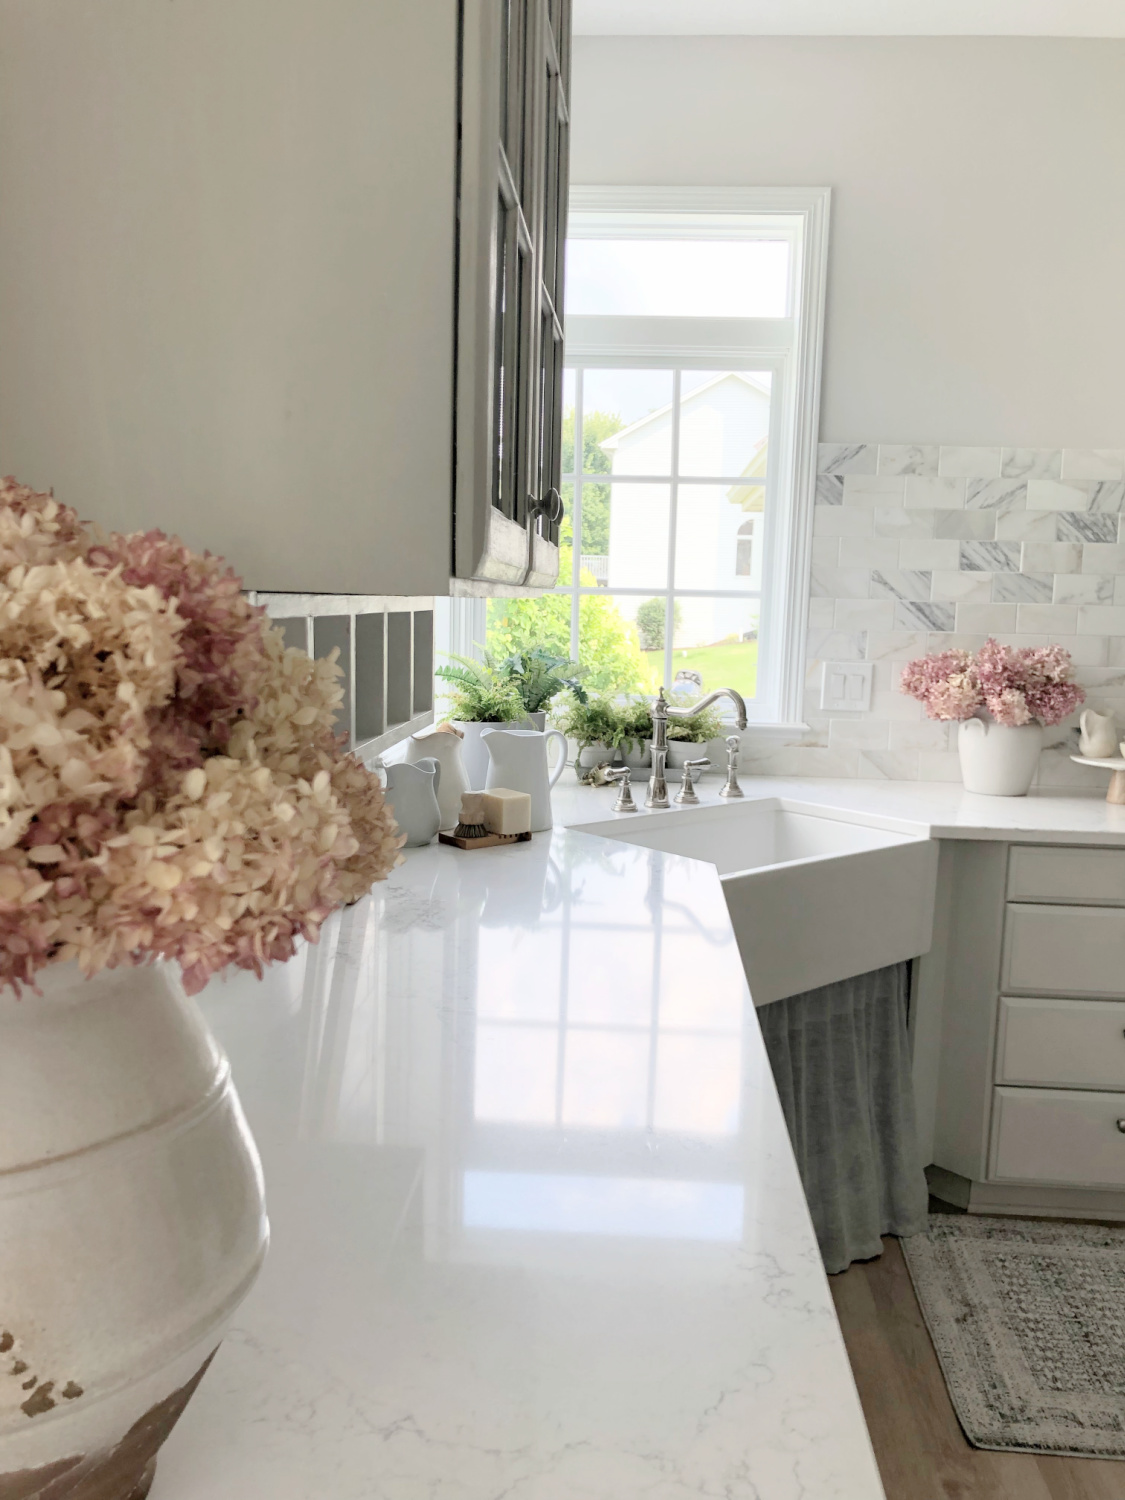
488, 841
1116, 793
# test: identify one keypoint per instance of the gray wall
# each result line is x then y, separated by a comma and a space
977, 278
226, 277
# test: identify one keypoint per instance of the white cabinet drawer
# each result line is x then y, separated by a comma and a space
1055, 1136
1088, 877
1064, 950
1077, 1044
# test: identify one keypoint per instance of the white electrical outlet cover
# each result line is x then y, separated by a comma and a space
846, 686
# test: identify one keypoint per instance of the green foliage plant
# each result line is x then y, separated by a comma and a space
481, 692
608, 648
538, 676
700, 727
634, 720
597, 721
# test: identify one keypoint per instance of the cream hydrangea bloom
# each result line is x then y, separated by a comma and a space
170, 785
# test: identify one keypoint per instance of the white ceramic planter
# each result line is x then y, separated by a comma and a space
131, 1226
998, 760
590, 756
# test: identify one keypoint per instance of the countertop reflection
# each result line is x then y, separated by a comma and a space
537, 1229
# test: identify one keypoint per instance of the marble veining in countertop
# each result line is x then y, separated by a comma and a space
537, 1229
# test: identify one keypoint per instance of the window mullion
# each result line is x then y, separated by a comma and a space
576, 514
673, 504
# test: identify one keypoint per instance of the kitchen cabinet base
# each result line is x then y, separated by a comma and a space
1021, 1200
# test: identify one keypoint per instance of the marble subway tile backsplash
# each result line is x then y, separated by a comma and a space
920, 547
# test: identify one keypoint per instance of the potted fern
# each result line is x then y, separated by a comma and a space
635, 723
685, 736
594, 724
482, 695
540, 676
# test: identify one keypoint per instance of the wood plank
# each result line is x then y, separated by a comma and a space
921, 1450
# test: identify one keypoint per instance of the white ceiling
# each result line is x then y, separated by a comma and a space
1105, 18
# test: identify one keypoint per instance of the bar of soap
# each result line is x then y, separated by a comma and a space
504, 811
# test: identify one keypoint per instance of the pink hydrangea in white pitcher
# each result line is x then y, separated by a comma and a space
173, 801
1002, 696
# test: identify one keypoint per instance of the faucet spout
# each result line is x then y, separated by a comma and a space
735, 697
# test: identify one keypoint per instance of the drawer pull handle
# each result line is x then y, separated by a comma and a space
1121, 1126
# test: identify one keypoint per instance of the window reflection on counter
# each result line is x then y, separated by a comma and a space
618, 1058
657, 1208
546, 1064
630, 1036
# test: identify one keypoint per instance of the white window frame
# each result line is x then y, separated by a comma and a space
789, 347
802, 216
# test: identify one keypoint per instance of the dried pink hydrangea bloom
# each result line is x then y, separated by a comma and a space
1014, 685
35, 528
170, 783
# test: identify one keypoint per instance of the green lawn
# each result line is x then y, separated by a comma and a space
730, 664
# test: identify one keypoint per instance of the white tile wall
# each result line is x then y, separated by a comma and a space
920, 547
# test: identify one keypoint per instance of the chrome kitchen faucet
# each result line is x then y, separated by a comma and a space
661, 713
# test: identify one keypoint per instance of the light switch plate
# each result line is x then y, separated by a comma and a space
846, 687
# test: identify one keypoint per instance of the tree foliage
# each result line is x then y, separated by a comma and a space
596, 427
607, 642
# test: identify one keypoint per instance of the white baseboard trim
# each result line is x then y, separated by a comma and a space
1032, 1202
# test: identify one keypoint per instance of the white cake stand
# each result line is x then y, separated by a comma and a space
1116, 791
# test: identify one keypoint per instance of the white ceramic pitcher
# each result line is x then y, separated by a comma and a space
444, 747
412, 794
517, 759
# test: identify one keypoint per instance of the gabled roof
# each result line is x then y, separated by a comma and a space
756, 385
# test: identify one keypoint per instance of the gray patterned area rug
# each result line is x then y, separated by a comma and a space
1028, 1320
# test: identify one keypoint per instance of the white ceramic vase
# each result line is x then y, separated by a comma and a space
998, 760
131, 1225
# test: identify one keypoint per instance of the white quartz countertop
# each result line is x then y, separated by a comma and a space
933, 809
538, 1233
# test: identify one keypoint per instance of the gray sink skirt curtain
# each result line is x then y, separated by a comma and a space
841, 1059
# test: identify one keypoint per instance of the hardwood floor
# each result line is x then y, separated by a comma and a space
920, 1447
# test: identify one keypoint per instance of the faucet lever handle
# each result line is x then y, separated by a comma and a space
687, 792
624, 803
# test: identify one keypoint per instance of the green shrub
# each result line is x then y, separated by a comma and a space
608, 647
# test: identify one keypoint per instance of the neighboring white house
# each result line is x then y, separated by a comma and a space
724, 428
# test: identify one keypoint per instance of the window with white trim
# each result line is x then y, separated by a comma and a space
693, 338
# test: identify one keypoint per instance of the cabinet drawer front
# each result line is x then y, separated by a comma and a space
1054, 1136
1064, 950
1089, 877
1078, 1044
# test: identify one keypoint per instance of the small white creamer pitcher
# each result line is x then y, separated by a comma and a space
412, 796
517, 759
